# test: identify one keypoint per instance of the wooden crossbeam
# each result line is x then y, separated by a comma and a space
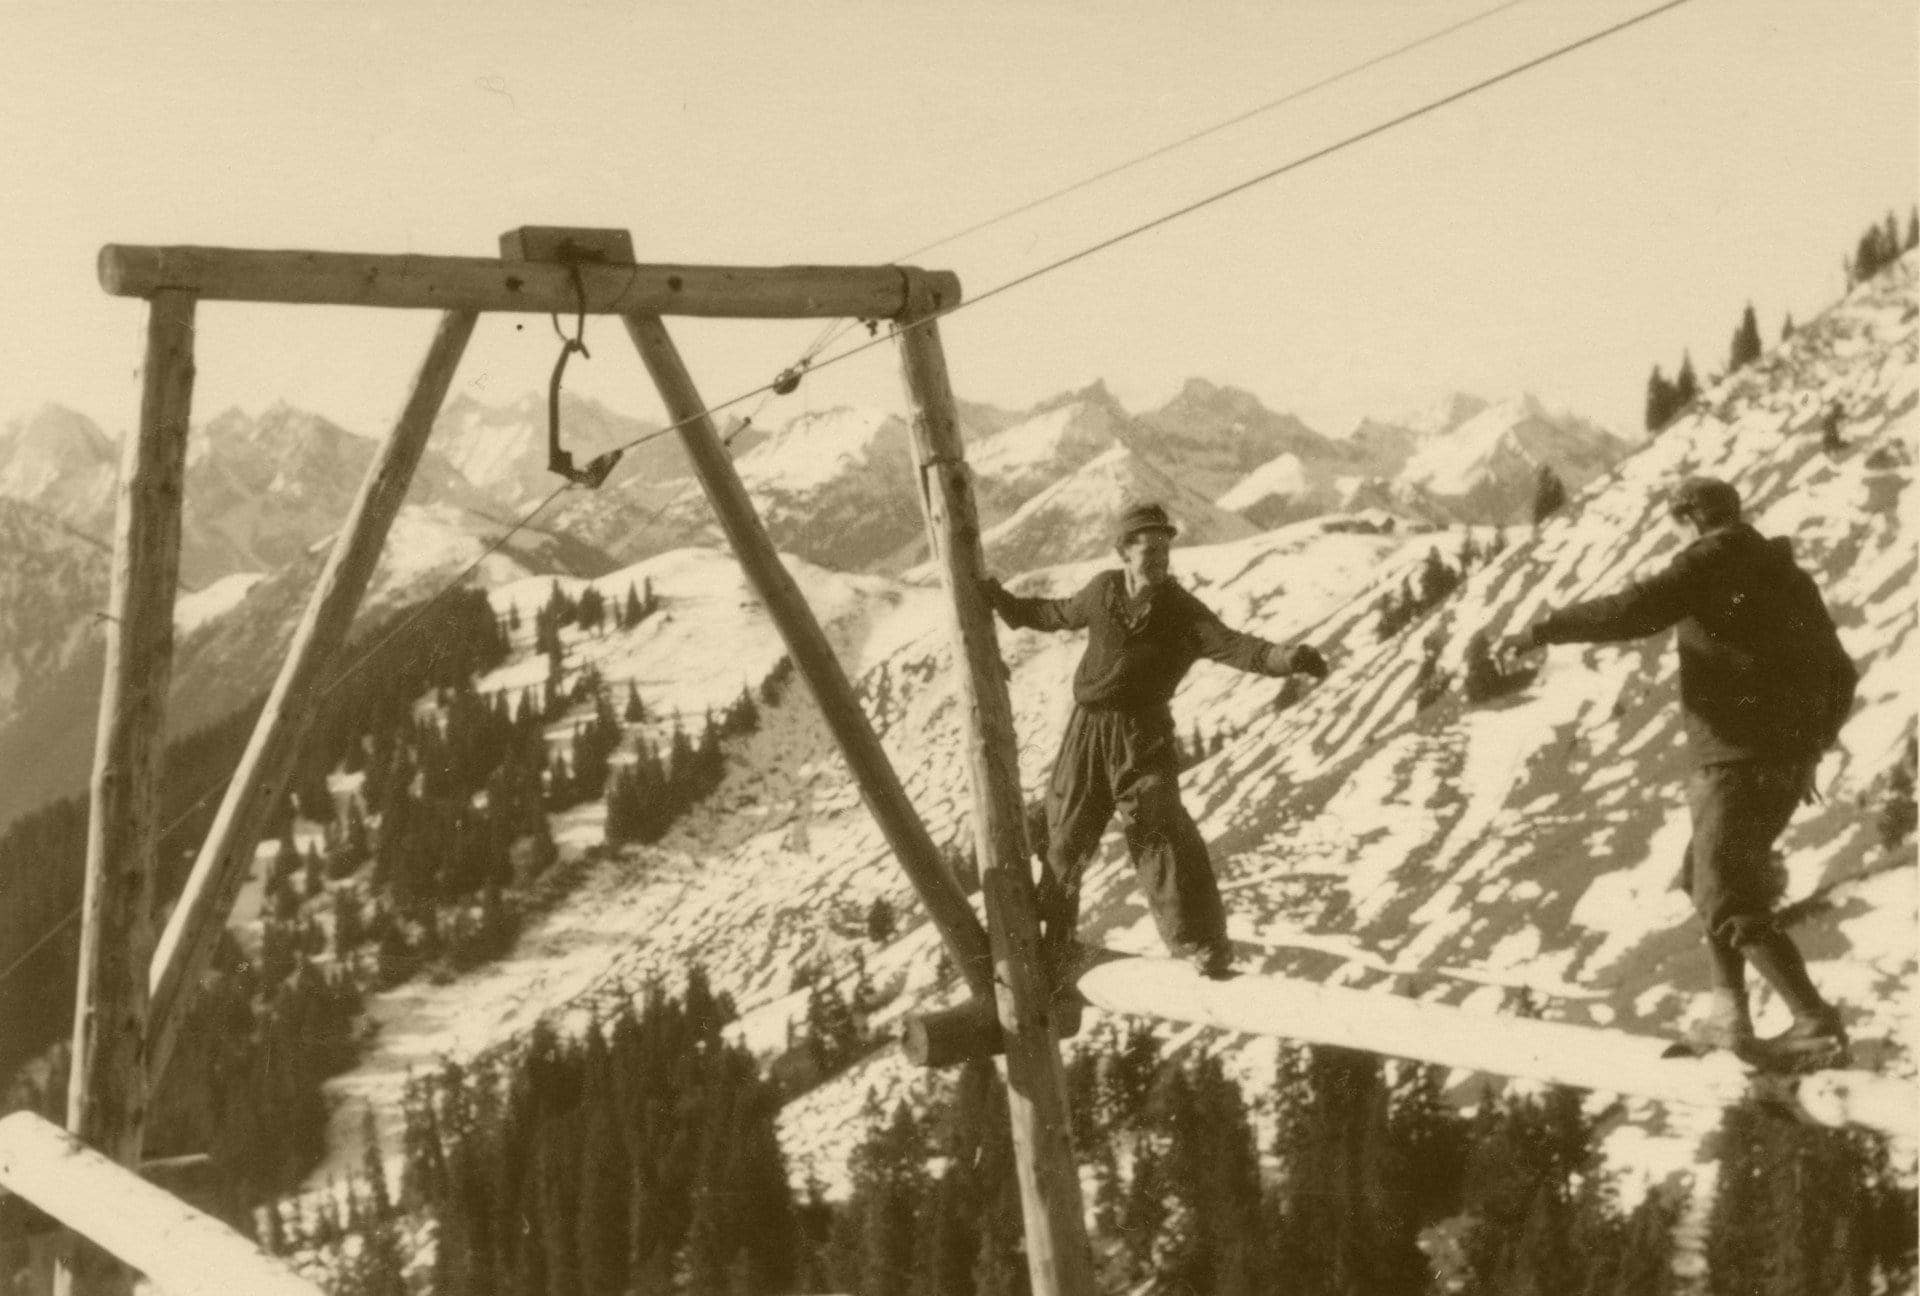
182, 1251
1523, 1048
488, 284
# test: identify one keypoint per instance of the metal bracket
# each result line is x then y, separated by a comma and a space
573, 248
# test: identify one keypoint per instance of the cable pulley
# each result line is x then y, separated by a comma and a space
788, 380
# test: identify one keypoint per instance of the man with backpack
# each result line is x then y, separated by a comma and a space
1764, 688
1120, 754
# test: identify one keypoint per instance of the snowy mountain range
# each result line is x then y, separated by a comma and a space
265, 493
1382, 832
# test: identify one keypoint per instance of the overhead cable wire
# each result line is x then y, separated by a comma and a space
1028, 277
1209, 200
1292, 96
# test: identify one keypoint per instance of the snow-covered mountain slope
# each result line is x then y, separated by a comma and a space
502, 448
262, 489
1485, 466
1462, 461
238, 652
776, 871
59, 460
1059, 436
231, 637
1457, 852
1211, 436
51, 586
1072, 520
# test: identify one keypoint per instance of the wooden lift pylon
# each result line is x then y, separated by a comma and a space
133, 990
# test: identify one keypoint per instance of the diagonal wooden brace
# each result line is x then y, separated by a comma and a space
261, 780
813, 656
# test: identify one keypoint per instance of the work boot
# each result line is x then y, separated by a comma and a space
1213, 961
1727, 1026
1812, 1042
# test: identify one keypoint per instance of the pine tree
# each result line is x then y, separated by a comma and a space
1660, 401
1786, 327
889, 1183
1469, 551
1549, 493
1437, 580
590, 610
603, 1240
1212, 1169
636, 711
625, 810
743, 717
1897, 817
380, 1268
1746, 342
832, 1032
1686, 387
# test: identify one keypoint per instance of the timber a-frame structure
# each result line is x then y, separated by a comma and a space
134, 985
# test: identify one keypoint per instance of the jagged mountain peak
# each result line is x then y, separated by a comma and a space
60, 460
1197, 394
1072, 519
1443, 415
56, 429
1095, 394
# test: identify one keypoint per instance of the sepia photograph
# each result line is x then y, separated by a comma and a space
1061, 649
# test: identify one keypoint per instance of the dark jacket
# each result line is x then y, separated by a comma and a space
1139, 650
1763, 676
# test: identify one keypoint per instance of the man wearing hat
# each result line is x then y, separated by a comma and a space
1119, 753
1764, 688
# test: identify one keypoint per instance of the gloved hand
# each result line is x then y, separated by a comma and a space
1305, 659
1519, 643
995, 594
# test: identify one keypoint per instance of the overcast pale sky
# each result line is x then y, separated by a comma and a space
1561, 232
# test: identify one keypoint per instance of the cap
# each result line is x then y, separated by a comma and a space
1142, 517
1707, 500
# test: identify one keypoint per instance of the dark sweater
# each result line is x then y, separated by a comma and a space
1138, 650
1763, 676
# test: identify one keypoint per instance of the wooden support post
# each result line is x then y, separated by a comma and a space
879, 784
107, 1090
260, 782
183, 1252
1059, 1261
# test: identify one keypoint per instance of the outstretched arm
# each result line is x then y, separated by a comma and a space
1249, 652
1643, 608
1039, 613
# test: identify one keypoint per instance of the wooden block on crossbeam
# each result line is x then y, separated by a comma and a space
566, 244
